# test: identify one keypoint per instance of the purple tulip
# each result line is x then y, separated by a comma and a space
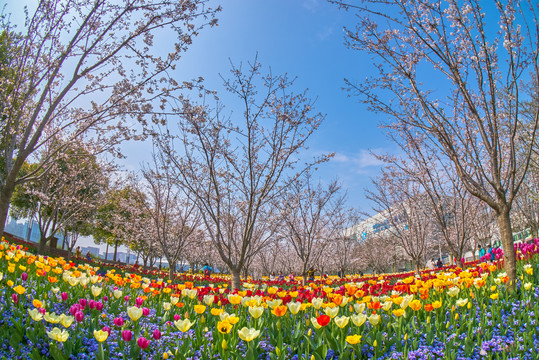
24, 276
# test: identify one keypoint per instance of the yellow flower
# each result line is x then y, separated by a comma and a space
315, 323
453, 291
317, 303
331, 312
10, 283
35, 314
353, 339
166, 305
437, 304
134, 313
359, 319
247, 334
256, 311
96, 290
224, 327
359, 308
234, 299
294, 307
66, 320
415, 305
462, 302
117, 293
216, 311
183, 325
199, 309
398, 312
52, 318
527, 286
58, 335
342, 321
19, 289
101, 335
38, 304
494, 296
374, 319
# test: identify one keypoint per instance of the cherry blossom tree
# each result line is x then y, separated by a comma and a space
174, 214
236, 166
407, 217
88, 67
453, 78
308, 219
73, 187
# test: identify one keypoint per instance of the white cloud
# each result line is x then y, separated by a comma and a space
361, 162
311, 5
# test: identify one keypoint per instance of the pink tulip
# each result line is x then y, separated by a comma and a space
24, 276
91, 304
42, 311
143, 342
64, 296
176, 317
139, 301
83, 303
127, 335
99, 305
118, 321
126, 298
145, 311
156, 334
107, 329
15, 298
79, 316
105, 298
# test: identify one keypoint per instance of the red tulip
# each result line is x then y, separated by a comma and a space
323, 320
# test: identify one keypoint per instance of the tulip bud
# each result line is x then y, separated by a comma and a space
83, 303
375, 343
156, 334
145, 311
176, 317
64, 296
15, 298
224, 345
24, 276
126, 298
99, 305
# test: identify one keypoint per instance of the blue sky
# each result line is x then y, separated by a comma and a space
303, 38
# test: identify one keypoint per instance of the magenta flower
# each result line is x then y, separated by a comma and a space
64, 296
99, 305
145, 311
83, 303
74, 309
118, 321
79, 316
156, 334
105, 298
126, 298
91, 304
24, 276
176, 317
127, 335
107, 329
139, 301
143, 342
15, 298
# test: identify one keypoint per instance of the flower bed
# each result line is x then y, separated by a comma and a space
54, 309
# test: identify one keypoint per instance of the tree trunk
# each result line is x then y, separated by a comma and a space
534, 232
509, 258
42, 243
107, 252
115, 249
5, 199
236, 279
172, 267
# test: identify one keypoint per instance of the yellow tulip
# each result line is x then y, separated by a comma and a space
494, 296
256, 311
66, 320
248, 334
199, 309
58, 335
342, 321
52, 318
331, 312
358, 319
35, 314
374, 319
294, 307
353, 339
101, 335
96, 290
19, 289
134, 313
183, 325
398, 312
224, 327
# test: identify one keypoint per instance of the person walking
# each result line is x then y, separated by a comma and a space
439, 263
481, 253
